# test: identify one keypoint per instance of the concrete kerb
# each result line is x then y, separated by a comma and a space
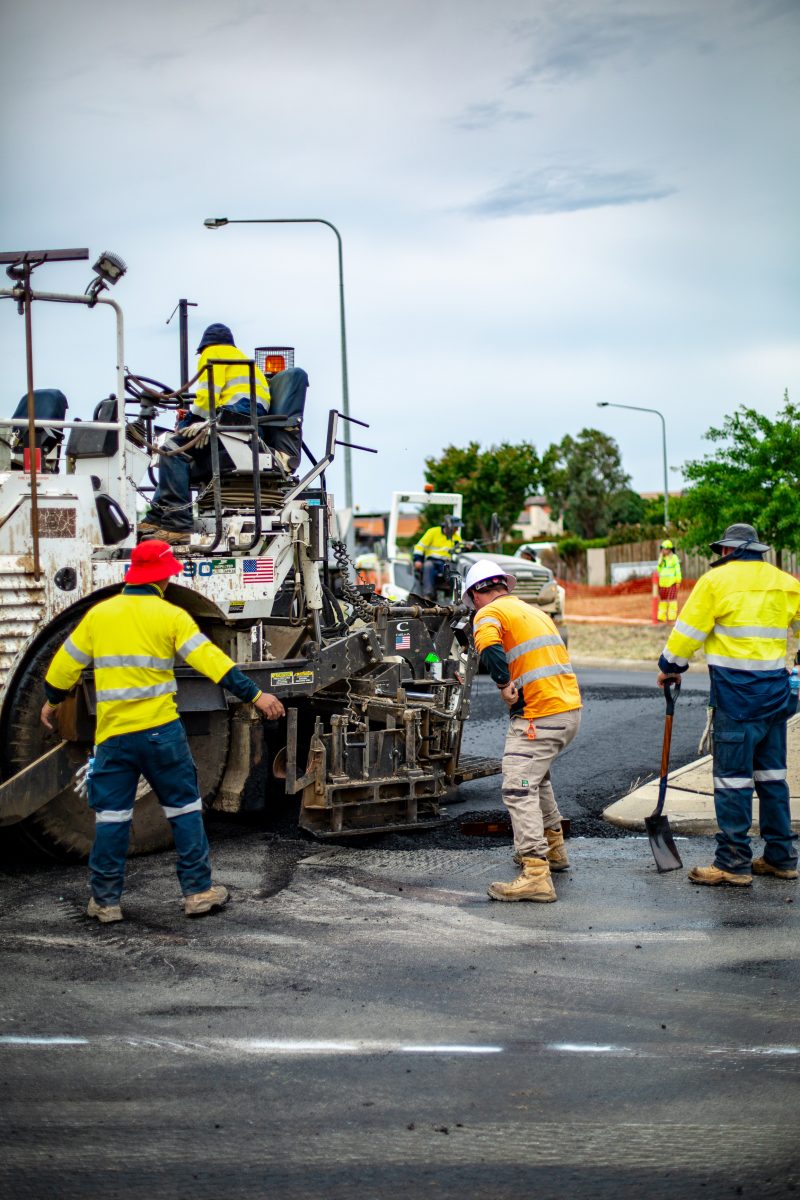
690, 795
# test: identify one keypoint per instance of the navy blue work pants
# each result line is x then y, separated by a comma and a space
171, 505
751, 754
432, 572
162, 755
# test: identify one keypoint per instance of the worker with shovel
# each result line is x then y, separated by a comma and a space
740, 611
525, 656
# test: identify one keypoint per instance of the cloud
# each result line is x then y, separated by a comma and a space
576, 47
488, 116
564, 189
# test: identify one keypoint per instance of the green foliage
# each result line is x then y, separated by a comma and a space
753, 475
495, 480
584, 482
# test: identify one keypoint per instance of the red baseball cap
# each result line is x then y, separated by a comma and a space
152, 560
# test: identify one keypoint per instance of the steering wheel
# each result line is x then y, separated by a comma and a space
136, 391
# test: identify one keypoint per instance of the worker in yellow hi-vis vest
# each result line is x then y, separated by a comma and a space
669, 576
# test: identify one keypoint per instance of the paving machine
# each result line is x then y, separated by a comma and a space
376, 693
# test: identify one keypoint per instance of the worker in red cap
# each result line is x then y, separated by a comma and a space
130, 641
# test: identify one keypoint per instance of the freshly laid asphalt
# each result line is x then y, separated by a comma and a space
363, 1022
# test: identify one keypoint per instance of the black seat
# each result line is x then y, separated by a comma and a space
282, 430
95, 443
49, 404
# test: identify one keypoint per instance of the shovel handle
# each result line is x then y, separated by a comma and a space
672, 688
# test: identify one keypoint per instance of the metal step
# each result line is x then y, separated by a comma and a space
474, 767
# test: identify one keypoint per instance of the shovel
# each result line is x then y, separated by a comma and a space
657, 825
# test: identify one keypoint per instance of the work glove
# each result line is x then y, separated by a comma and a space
80, 784
197, 433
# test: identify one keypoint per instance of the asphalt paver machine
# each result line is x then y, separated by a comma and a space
376, 693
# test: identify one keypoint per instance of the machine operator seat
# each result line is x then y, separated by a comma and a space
48, 404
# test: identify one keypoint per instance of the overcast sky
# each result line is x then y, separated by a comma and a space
543, 204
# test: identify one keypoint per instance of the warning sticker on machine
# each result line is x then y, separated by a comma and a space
287, 678
236, 606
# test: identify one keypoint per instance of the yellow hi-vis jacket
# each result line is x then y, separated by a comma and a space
230, 383
740, 612
537, 658
434, 543
131, 641
669, 570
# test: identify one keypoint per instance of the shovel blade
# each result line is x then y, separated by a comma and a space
662, 843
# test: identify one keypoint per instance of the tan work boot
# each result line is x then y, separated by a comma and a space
557, 852
172, 537
205, 902
711, 876
106, 914
533, 884
762, 867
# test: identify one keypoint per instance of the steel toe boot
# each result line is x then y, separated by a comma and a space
762, 867
174, 537
557, 852
205, 902
711, 876
533, 884
106, 914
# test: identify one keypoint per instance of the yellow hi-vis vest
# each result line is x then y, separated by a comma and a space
131, 641
434, 543
230, 383
669, 570
537, 657
740, 612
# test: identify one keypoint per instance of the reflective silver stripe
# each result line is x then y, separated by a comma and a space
197, 639
136, 693
113, 817
547, 639
543, 673
763, 776
133, 660
172, 813
79, 655
489, 621
733, 782
745, 631
675, 658
689, 631
745, 664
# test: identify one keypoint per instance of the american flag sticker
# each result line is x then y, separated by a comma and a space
402, 641
258, 570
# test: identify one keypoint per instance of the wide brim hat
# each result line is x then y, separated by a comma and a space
152, 561
215, 335
738, 536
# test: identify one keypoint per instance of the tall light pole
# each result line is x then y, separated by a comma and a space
638, 408
218, 222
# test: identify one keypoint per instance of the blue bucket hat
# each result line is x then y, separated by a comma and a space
216, 335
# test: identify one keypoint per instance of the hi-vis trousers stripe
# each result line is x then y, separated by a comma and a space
733, 782
767, 776
172, 813
109, 816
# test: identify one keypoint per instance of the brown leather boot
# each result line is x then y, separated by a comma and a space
557, 853
713, 876
533, 884
762, 867
106, 914
205, 902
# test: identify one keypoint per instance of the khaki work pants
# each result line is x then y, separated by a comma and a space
527, 790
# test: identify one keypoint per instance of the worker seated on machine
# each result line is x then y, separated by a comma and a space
170, 513
433, 554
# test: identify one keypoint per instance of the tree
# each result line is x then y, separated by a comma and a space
753, 476
584, 482
494, 480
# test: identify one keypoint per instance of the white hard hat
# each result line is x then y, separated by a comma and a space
483, 570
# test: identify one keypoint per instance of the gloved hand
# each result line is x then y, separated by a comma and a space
80, 784
418, 567
198, 433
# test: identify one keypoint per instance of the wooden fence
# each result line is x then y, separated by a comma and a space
692, 565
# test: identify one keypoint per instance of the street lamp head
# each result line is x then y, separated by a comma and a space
602, 403
215, 222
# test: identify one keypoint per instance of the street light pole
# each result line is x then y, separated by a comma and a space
218, 222
638, 408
